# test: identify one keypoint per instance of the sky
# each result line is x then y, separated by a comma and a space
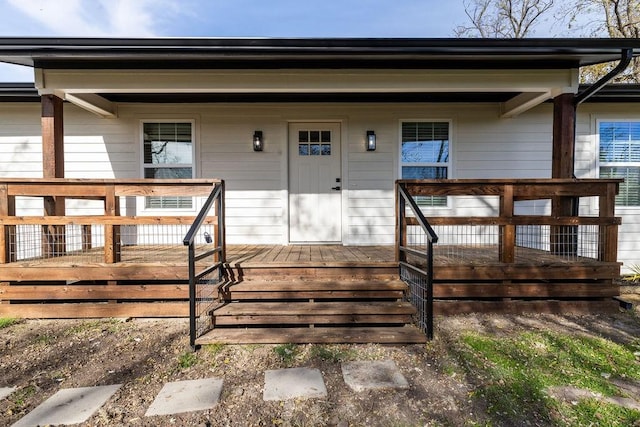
224, 18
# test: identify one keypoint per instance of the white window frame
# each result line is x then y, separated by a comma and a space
448, 165
600, 164
194, 140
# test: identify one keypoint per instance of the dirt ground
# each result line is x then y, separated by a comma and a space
42, 356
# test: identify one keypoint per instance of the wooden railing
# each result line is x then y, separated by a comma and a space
88, 240
76, 231
559, 232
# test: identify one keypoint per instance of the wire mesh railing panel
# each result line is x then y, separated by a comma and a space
84, 243
568, 242
418, 296
466, 243
152, 242
206, 300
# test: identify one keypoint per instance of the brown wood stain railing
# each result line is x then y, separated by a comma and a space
511, 191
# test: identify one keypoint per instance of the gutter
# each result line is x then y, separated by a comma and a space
626, 55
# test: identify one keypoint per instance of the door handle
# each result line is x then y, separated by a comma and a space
337, 188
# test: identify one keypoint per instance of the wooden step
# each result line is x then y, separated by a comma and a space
234, 295
329, 272
314, 289
324, 335
310, 284
313, 313
310, 319
317, 308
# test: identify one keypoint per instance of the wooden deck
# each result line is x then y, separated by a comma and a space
255, 255
89, 273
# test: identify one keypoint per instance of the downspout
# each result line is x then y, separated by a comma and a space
626, 55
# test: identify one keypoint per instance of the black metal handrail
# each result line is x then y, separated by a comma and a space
216, 197
423, 303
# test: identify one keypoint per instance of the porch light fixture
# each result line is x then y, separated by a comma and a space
371, 140
258, 144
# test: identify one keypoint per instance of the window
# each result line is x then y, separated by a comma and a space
425, 155
168, 154
314, 143
620, 158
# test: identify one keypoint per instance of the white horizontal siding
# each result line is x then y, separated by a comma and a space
586, 167
483, 146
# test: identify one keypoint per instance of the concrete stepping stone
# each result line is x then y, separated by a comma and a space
293, 383
367, 375
6, 391
69, 406
186, 396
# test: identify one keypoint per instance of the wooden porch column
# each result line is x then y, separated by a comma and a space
53, 238
564, 119
564, 238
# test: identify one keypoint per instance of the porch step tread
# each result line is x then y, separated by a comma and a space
327, 335
307, 295
319, 264
317, 308
312, 284
313, 319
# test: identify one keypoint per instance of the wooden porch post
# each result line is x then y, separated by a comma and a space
564, 118
53, 238
564, 238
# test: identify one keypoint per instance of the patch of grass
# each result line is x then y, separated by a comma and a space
513, 374
83, 326
287, 352
5, 322
187, 360
333, 354
111, 325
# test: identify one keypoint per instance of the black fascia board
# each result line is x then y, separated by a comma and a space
18, 92
310, 52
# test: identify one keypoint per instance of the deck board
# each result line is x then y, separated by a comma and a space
325, 255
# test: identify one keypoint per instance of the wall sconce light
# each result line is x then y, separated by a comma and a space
258, 144
371, 140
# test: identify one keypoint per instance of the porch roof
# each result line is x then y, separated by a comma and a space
331, 53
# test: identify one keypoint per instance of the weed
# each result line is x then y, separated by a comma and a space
287, 352
83, 326
5, 322
44, 339
20, 397
214, 349
332, 354
635, 274
187, 360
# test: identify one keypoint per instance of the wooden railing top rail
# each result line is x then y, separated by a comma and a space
522, 188
100, 188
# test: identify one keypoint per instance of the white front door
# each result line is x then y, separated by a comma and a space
315, 196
